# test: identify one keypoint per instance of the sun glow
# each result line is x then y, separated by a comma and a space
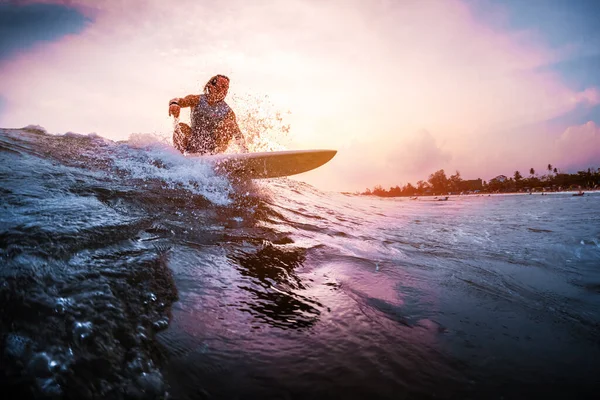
399, 89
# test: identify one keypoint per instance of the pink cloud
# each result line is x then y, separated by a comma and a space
401, 89
579, 146
589, 97
417, 153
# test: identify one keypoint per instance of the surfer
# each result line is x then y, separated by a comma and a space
213, 122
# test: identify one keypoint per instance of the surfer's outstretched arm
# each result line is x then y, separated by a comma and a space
182, 133
176, 103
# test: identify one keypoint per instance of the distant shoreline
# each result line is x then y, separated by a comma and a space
481, 194
439, 184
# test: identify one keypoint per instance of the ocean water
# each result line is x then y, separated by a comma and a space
130, 272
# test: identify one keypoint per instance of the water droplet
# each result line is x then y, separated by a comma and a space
82, 330
161, 324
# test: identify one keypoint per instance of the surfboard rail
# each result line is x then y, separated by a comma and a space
269, 164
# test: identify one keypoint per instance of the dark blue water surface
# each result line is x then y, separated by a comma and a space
130, 272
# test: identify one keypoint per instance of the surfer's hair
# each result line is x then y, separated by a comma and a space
213, 82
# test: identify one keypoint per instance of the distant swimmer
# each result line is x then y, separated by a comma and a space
213, 122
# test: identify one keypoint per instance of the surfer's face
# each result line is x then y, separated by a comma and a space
218, 87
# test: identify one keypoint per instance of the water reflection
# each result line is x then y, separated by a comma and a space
275, 288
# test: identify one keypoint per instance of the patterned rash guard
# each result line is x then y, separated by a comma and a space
205, 119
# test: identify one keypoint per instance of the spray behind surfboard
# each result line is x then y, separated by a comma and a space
264, 127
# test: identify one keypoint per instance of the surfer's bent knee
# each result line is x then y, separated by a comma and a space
184, 129
181, 136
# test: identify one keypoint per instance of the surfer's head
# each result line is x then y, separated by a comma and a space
216, 88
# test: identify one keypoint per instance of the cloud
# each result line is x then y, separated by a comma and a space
405, 159
415, 154
21, 27
579, 147
589, 97
370, 79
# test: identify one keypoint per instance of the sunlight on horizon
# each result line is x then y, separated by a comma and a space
400, 90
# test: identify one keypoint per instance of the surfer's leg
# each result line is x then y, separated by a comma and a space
182, 136
220, 148
221, 141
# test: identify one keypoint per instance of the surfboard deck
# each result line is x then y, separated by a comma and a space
269, 164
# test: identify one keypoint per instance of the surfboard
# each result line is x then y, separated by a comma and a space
269, 164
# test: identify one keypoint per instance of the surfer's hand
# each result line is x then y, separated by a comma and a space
174, 110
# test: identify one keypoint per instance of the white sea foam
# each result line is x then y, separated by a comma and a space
147, 156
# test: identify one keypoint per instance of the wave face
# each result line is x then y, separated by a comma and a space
131, 272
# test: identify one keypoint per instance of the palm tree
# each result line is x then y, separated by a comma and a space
550, 168
518, 176
455, 180
532, 172
555, 170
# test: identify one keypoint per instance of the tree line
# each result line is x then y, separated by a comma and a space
439, 184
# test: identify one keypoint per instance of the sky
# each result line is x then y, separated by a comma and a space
401, 88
